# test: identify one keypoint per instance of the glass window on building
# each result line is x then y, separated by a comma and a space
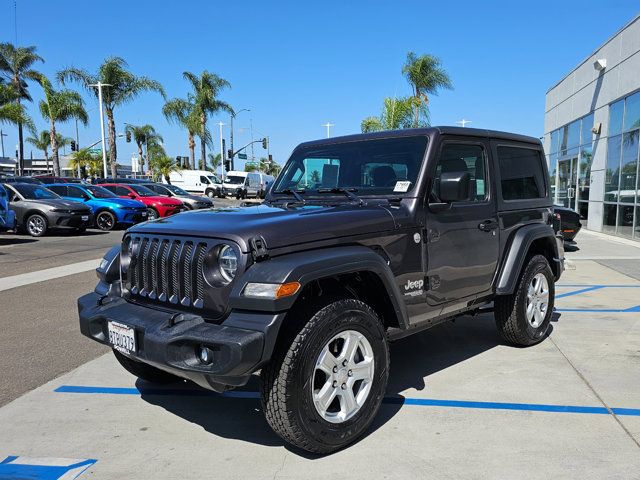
636, 224
570, 137
629, 167
586, 135
612, 173
616, 111
625, 220
632, 112
609, 217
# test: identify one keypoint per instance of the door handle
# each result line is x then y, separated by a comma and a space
488, 225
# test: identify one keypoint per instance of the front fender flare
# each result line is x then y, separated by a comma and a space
305, 267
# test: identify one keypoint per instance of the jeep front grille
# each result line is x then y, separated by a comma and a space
168, 270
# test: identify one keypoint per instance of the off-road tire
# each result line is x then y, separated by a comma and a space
286, 387
144, 371
510, 310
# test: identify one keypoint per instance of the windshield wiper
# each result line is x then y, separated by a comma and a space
295, 193
347, 191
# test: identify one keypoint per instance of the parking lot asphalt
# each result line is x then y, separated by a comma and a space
459, 404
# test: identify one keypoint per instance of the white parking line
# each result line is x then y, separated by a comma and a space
21, 280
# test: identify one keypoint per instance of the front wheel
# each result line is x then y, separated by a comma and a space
523, 317
36, 225
210, 193
325, 384
152, 214
105, 221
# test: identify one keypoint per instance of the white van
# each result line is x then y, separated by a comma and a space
243, 184
197, 181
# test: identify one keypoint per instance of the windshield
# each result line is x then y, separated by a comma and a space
35, 192
235, 180
143, 191
101, 192
175, 190
213, 179
370, 167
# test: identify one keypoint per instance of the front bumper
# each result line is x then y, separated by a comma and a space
135, 216
171, 340
69, 220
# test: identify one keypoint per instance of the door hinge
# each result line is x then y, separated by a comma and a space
259, 249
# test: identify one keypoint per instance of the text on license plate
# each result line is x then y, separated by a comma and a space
122, 337
85, 218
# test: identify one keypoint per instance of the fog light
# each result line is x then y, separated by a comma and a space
204, 354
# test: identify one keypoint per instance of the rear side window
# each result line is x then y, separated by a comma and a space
59, 190
521, 173
75, 192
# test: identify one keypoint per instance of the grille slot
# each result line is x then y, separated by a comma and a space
168, 271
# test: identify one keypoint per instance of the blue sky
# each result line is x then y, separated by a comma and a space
298, 64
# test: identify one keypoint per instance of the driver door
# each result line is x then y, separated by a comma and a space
462, 239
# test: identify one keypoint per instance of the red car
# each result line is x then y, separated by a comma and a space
157, 206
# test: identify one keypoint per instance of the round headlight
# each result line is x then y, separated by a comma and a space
228, 262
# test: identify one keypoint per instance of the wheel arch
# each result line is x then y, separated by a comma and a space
32, 211
527, 241
352, 271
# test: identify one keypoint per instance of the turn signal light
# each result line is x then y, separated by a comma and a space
271, 290
287, 289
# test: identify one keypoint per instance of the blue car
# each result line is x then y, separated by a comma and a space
7, 216
109, 210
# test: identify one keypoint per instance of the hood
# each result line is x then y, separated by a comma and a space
161, 199
279, 226
195, 198
123, 202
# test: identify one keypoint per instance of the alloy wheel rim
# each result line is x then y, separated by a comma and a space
36, 225
105, 222
151, 215
343, 376
537, 300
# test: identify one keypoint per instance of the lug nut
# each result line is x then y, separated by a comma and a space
344, 386
335, 384
335, 369
344, 363
350, 373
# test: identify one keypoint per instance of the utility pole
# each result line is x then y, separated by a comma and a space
233, 116
77, 149
463, 122
328, 125
253, 155
2, 135
99, 85
220, 124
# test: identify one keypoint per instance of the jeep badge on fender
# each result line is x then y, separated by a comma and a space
360, 241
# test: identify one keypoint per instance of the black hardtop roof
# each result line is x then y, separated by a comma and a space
430, 131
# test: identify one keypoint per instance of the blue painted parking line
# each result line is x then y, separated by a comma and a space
591, 288
578, 292
635, 309
23, 468
424, 402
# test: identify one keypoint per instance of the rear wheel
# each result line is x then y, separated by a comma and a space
36, 225
523, 317
327, 378
144, 371
105, 221
152, 213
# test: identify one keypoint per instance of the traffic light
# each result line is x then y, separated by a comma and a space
128, 136
270, 159
229, 153
178, 161
265, 143
227, 165
74, 147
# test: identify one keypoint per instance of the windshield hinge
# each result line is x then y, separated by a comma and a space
258, 249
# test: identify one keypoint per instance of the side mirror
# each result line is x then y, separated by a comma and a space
86, 197
132, 195
454, 186
15, 198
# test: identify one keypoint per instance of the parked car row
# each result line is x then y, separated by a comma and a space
35, 208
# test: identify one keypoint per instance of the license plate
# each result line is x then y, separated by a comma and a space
122, 337
85, 218
144, 214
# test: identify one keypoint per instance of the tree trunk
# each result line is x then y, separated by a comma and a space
141, 163
192, 149
113, 153
46, 159
416, 120
203, 146
54, 150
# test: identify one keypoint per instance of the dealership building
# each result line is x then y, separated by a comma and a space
591, 136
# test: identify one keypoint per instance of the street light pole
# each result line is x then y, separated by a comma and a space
2, 135
220, 124
233, 116
99, 85
328, 125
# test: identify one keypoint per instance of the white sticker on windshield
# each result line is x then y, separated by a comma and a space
402, 186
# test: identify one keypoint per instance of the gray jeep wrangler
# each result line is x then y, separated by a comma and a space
360, 241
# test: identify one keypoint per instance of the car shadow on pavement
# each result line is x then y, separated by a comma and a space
14, 240
413, 360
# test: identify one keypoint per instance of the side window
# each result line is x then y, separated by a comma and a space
203, 179
73, 192
521, 173
62, 191
458, 157
122, 191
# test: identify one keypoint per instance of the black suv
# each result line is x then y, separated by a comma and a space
361, 240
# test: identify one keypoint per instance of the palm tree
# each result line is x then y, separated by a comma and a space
162, 166
396, 114
10, 111
92, 163
215, 160
206, 89
124, 87
142, 135
60, 106
42, 141
183, 112
15, 67
426, 76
